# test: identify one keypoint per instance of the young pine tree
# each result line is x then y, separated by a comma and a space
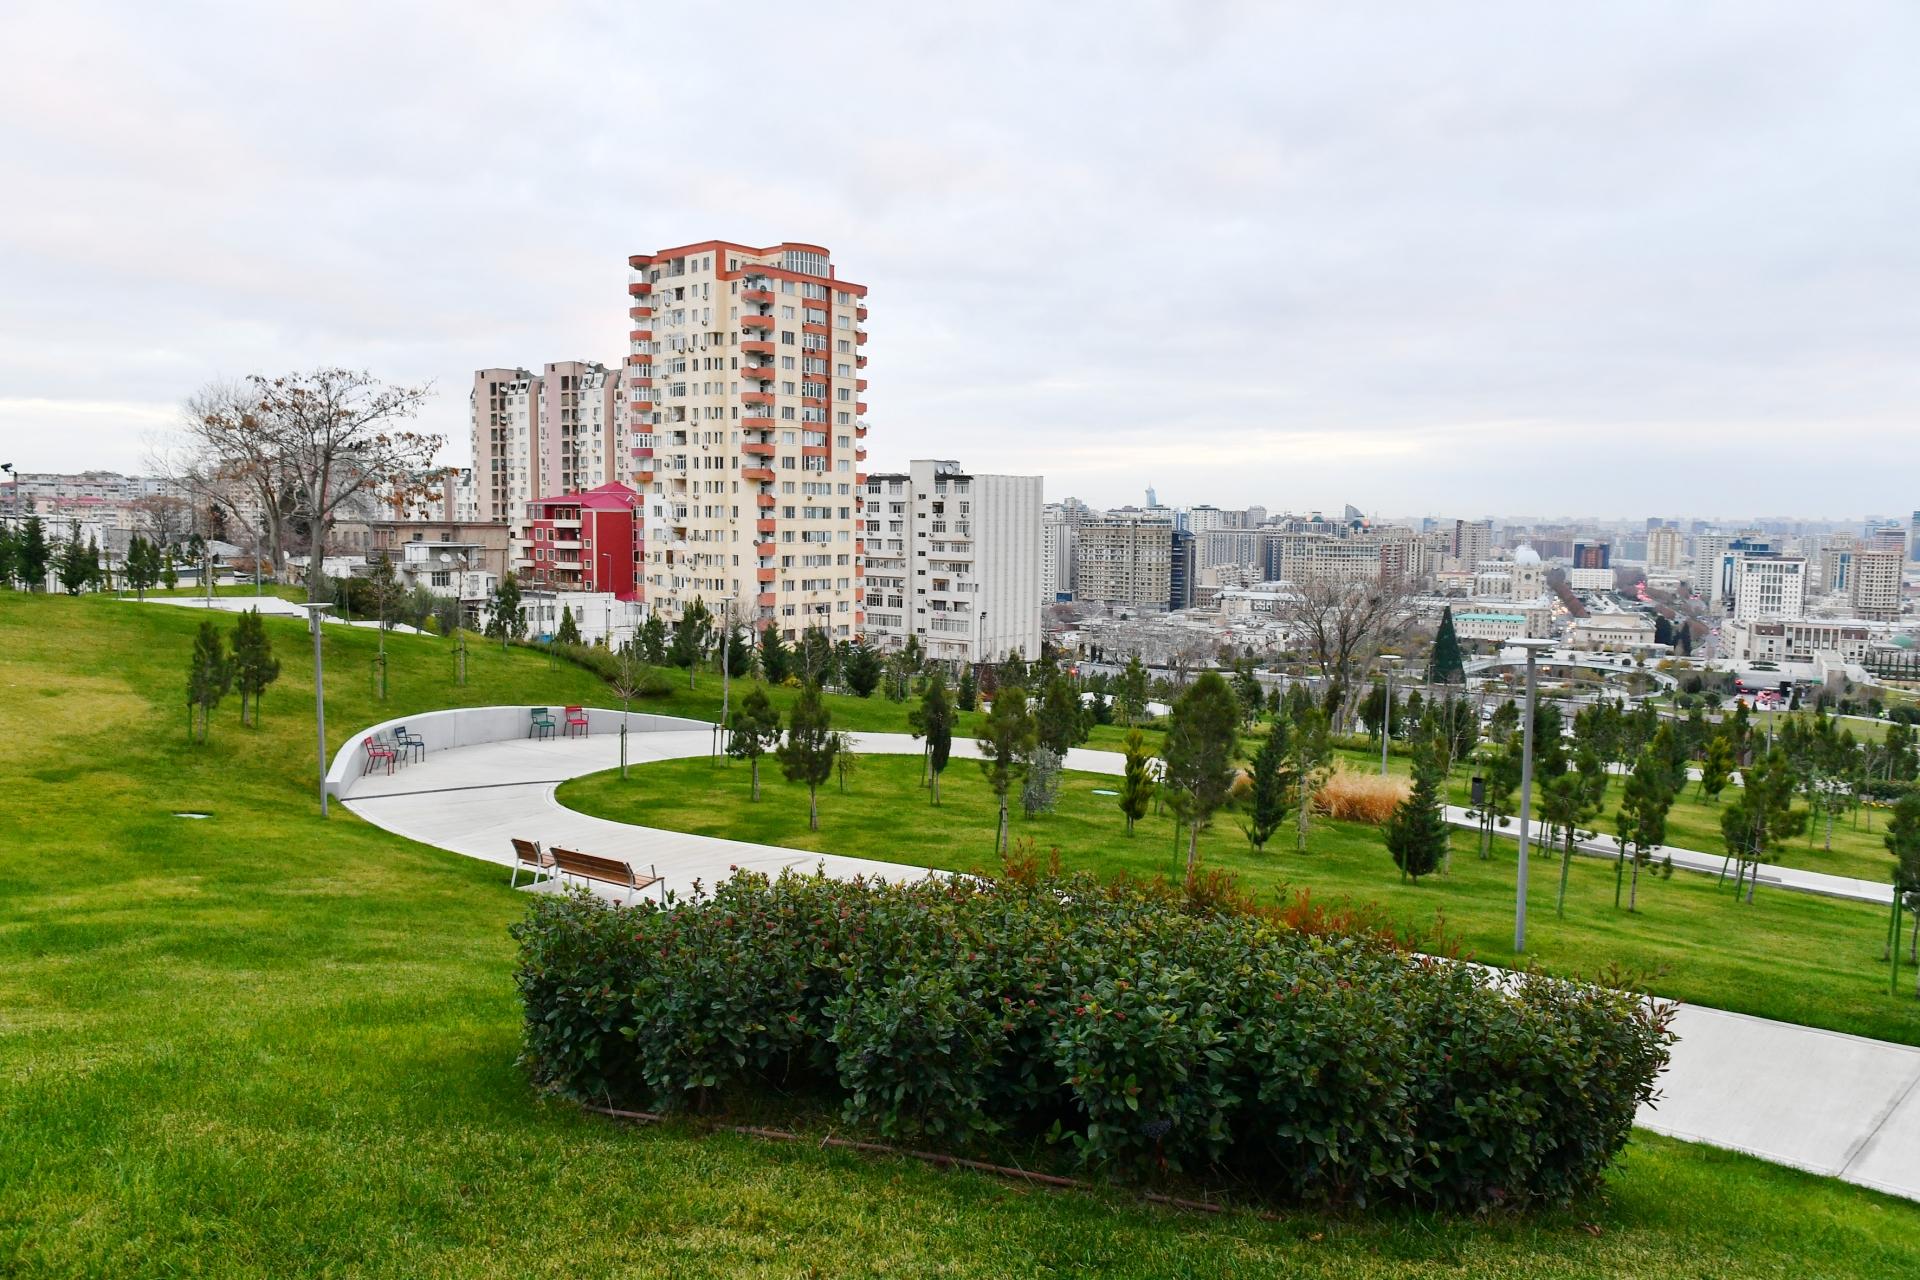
933, 721
1202, 732
1641, 824
1417, 833
209, 675
756, 731
807, 754
1007, 740
568, 632
1136, 785
254, 666
1312, 753
1272, 786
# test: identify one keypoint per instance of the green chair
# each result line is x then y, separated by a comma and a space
541, 724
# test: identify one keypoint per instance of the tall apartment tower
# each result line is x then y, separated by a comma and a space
1663, 547
1126, 561
954, 558
744, 426
542, 435
1472, 542
1874, 583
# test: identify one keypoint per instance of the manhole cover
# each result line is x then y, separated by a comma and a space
1102, 791
193, 815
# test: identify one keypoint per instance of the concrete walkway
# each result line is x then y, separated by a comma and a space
1833, 1104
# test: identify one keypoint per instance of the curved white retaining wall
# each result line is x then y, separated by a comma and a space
470, 726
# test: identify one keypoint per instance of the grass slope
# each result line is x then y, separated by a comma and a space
264, 1045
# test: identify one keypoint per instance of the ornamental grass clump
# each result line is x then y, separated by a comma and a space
1130, 1031
1359, 797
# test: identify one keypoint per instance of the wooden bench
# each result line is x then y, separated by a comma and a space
614, 871
529, 856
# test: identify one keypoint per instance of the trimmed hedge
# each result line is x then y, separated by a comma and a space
1137, 1035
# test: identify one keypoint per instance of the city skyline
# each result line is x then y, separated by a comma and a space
1652, 265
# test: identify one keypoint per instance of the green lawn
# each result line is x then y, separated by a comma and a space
1789, 956
267, 1045
1859, 846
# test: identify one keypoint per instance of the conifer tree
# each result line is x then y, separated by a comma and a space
1060, 722
1445, 665
1201, 737
254, 666
933, 721
967, 696
568, 632
1272, 786
1137, 785
209, 675
807, 754
756, 731
1007, 740
776, 659
1417, 832
653, 640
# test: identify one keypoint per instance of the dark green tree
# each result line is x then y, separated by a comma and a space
1499, 779
1136, 785
1202, 734
1312, 754
776, 659
1271, 786
506, 620
1641, 824
1903, 842
1503, 723
1417, 833
1567, 804
756, 731
653, 640
1060, 722
807, 754
1716, 768
1247, 692
72, 566
568, 632
967, 695
1007, 740
9, 557
1761, 818
209, 676
739, 655
932, 721
690, 637
861, 667
1131, 692
254, 666
1445, 664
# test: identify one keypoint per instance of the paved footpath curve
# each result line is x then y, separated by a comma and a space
1833, 1104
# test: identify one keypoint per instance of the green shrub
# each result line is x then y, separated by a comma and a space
1136, 1033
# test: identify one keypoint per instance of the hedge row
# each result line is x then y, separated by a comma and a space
1136, 1035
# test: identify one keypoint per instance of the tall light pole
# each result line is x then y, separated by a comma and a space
1532, 645
319, 697
1386, 723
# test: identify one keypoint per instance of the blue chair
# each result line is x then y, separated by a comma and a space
409, 741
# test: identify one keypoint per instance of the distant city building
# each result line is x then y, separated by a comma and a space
1182, 571
955, 558
1126, 562
1615, 631
1665, 547
1769, 586
1874, 585
556, 431
1592, 555
1472, 542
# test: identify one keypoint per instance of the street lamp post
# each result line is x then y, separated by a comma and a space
314, 612
1386, 723
1532, 645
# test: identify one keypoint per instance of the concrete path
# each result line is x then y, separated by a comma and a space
269, 606
1833, 1104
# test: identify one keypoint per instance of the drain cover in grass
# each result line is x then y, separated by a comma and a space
193, 815
1102, 791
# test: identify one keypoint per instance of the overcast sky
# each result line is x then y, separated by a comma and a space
1447, 259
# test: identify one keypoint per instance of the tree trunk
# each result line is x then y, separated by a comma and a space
813, 808
1193, 848
754, 763
1619, 872
936, 782
1633, 890
1000, 831
1566, 862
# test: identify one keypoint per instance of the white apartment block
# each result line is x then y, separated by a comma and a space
1799, 640
1708, 551
1126, 562
542, 435
1059, 544
744, 425
1472, 542
1874, 585
954, 558
1769, 587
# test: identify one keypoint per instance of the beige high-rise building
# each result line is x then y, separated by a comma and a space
1874, 583
1664, 547
744, 424
538, 435
1126, 561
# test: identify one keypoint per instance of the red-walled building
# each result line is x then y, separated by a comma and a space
588, 541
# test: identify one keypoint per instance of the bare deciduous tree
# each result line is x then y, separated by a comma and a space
1343, 625
228, 460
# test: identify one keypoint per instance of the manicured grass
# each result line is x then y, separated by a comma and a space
1694, 823
1789, 956
264, 1045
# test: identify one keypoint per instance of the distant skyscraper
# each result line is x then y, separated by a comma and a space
1874, 585
1182, 572
541, 435
1153, 499
1913, 537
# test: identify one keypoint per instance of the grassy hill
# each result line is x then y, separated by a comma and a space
267, 1045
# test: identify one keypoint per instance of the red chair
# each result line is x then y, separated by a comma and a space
576, 719
376, 751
